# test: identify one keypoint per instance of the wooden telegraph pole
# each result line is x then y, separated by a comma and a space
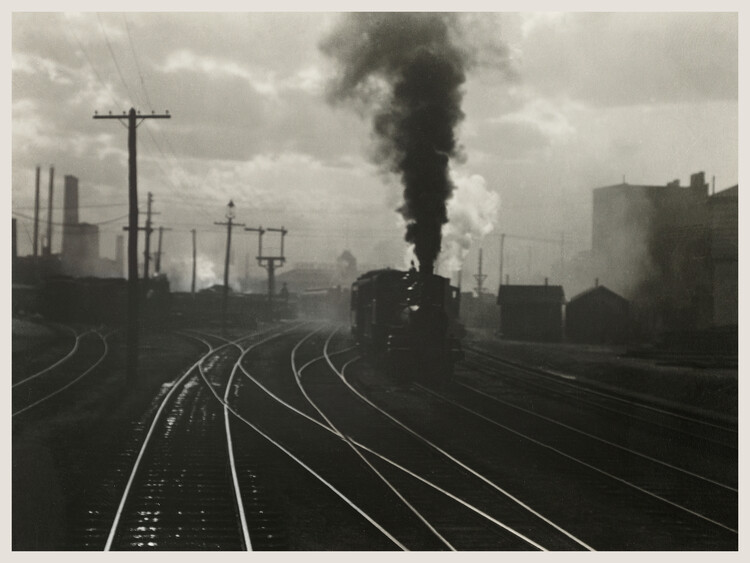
229, 224
48, 250
132, 328
36, 215
502, 256
192, 286
270, 263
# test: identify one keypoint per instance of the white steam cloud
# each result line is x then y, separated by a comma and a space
472, 214
207, 273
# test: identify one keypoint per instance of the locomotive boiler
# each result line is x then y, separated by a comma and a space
409, 320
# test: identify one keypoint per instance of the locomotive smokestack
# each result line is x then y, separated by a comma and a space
407, 70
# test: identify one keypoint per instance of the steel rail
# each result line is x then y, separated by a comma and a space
458, 462
302, 464
387, 459
76, 344
584, 463
597, 438
177, 383
64, 387
546, 375
298, 378
247, 542
486, 369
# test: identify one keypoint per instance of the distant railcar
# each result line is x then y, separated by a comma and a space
99, 300
410, 320
324, 303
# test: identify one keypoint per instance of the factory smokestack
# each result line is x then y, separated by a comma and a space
407, 71
70, 214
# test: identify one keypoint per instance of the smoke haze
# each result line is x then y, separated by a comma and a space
407, 71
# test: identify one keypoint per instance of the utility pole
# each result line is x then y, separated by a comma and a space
480, 277
132, 328
562, 257
272, 261
48, 251
229, 224
36, 216
147, 250
157, 268
192, 286
502, 256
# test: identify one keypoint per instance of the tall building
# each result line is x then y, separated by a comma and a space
655, 245
723, 212
80, 241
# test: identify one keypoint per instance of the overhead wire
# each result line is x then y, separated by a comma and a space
69, 30
56, 224
137, 64
133, 99
176, 167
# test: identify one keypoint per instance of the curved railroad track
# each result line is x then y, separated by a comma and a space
395, 466
689, 509
88, 352
179, 494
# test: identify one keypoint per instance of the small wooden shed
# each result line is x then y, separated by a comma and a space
597, 316
531, 312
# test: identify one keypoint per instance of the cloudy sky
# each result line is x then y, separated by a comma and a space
555, 105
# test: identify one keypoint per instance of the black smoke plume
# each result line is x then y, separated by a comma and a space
407, 70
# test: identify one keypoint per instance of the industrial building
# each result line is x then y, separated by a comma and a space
80, 242
723, 213
671, 251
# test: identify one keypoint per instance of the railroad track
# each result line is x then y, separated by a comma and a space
30, 362
194, 486
711, 428
405, 484
180, 494
40, 388
673, 438
631, 492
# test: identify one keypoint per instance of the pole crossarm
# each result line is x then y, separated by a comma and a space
270, 263
138, 115
228, 223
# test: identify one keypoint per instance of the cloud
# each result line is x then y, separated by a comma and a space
612, 59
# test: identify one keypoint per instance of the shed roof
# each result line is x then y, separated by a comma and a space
510, 294
598, 290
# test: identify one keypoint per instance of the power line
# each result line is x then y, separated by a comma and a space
69, 29
88, 206
15, 213
117, 66
138, 66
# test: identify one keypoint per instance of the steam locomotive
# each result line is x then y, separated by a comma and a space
409, 320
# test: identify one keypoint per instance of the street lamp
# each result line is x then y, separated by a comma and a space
230, 210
